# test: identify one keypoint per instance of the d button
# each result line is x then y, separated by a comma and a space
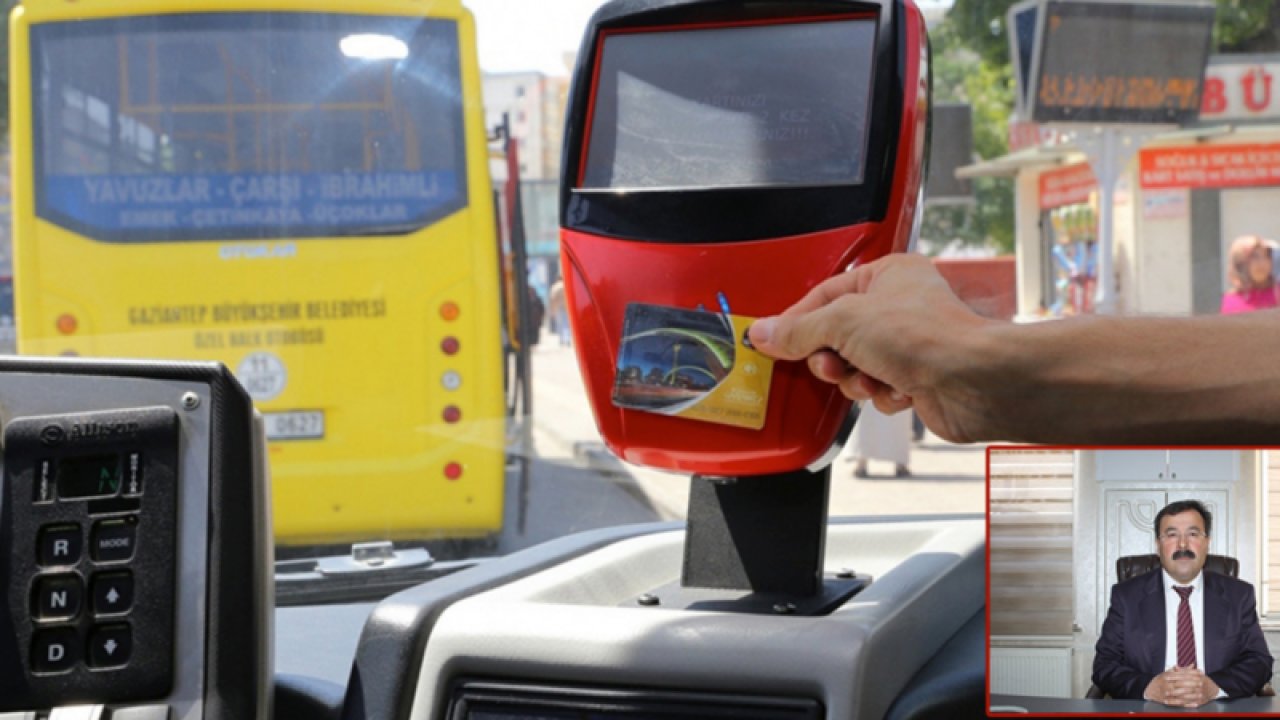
54, 651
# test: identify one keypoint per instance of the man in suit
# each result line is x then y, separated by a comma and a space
1183, 647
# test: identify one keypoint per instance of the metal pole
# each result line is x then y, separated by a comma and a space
1106, 171
1109, 149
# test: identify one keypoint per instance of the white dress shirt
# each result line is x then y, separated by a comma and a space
1171, 602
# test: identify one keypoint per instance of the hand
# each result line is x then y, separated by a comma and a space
891, 332
1181, 687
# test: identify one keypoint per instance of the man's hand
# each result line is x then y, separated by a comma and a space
891, 332
1181, 687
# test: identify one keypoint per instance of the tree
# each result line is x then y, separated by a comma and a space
960, 74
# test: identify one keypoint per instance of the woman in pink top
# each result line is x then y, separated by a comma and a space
1253, 286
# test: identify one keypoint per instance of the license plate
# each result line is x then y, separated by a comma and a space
295, 425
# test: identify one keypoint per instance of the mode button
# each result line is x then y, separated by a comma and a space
114, 540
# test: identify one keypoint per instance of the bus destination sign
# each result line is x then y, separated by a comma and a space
1121, 62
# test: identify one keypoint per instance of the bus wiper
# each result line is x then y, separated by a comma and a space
372, 571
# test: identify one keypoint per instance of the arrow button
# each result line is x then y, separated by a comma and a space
112, 593
110, 646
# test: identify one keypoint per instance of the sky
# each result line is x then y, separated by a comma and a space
529, 34
516, 35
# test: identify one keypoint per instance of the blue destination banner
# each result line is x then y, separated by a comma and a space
222, 203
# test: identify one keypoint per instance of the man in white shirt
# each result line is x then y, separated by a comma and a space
1180, 636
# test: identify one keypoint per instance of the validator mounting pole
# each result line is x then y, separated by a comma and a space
756, 544
762, 533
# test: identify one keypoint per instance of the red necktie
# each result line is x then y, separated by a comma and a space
1186, 633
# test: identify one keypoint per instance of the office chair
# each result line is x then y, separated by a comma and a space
1131, 566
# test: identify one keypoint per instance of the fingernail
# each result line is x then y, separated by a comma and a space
762, 329
897, 396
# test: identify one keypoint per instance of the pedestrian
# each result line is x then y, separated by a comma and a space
536, 311
1251, 274
558, 308
877, 436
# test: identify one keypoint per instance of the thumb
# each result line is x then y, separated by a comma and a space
796, 335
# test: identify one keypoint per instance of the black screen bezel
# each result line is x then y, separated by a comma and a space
714, 215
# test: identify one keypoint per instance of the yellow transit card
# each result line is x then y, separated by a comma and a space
691, 364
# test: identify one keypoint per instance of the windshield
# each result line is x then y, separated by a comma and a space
357, 214
189, 127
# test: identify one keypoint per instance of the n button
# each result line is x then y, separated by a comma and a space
58, 597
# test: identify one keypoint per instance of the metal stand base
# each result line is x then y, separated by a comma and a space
834, 591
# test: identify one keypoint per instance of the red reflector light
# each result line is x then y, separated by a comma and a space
453, 471
450, 345
67, 323
452, 414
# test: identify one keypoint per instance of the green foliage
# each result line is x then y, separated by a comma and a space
1239, 25
962, 74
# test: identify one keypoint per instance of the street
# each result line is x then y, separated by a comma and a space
576, 484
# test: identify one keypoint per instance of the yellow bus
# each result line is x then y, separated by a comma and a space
299, 190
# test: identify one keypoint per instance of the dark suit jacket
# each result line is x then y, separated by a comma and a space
1131, 650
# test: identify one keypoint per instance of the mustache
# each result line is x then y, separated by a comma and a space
1179, 554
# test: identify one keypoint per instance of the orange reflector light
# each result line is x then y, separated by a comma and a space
449, 311
67, 323
453, 471
450, 345
452, 414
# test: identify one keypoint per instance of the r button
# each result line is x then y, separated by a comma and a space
60, 545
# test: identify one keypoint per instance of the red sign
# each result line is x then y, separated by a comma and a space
1210, 166
1028, 134
1240, 90
1070, 185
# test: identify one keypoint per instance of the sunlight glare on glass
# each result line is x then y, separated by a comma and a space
370, 46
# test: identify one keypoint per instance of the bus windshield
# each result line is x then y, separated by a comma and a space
247, 125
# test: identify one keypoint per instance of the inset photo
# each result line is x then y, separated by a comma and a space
1138, 580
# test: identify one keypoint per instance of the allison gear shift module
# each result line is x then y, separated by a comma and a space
135, 541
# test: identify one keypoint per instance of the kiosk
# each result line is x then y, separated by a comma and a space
721, 159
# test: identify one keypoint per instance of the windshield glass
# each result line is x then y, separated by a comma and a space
189, 127
356, 211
